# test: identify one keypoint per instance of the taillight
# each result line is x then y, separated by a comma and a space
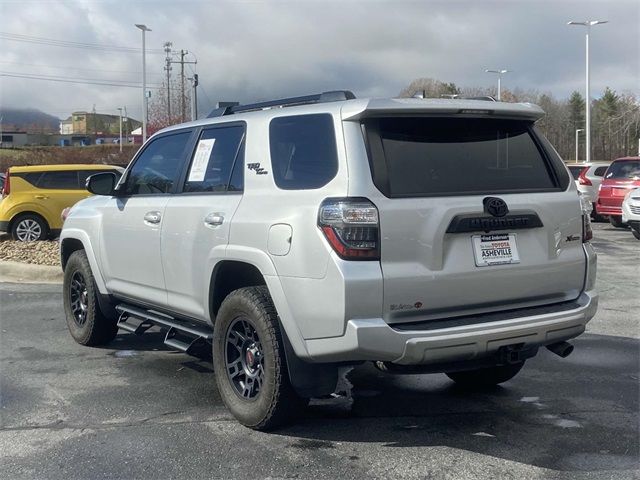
582, 178
587, 208
351, 227
7, 185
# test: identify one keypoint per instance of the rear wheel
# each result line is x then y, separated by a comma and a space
249, 361
616, 221
29, 228
486, 377
86, 322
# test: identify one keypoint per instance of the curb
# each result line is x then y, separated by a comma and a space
29, 273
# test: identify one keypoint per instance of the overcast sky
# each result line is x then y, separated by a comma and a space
257, 50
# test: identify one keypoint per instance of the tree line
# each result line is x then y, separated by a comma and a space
615, 118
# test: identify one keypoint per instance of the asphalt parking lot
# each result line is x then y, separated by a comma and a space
137, 410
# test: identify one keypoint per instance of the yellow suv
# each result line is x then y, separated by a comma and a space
33, 197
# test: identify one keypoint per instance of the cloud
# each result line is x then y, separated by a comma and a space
256, 50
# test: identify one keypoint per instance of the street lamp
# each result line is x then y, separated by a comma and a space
588, 24
578, 130
500, 73
144, 29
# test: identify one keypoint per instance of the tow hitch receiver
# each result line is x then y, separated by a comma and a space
517, 353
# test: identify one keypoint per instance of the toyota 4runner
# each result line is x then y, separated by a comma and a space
303, 235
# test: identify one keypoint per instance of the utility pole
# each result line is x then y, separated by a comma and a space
120, 141
167, 50
182, 63
145, 99
194, 96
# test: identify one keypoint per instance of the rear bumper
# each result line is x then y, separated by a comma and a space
609, 209
373, 339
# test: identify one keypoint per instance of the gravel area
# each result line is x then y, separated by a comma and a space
38, 253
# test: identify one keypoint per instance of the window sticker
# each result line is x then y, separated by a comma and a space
201, 160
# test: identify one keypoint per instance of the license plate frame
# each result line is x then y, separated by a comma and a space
495, 249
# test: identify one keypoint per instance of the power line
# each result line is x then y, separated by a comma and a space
85, 81
63, 67
69, 44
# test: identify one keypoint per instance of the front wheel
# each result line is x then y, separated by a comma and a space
485, 377
249, 361
87, 324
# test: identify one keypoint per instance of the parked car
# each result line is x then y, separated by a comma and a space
2, 177
33, 197
623, 174
631, 211
306, 235
588, 177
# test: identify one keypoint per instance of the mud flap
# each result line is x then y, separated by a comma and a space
309, 379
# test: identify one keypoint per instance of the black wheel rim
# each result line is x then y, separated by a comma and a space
244, 359
79, 298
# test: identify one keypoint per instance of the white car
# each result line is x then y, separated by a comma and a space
588, 177
300, 236
631, 211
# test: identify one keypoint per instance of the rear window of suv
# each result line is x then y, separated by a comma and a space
432, 156
624, 169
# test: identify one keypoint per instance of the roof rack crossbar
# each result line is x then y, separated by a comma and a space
229, 108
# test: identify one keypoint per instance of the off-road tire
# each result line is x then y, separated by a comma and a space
485, 377
20, 220
276, 403
97, 328
636, 233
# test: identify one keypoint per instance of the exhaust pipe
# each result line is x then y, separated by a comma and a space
562, 349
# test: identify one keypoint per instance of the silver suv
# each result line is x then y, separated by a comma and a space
308, 234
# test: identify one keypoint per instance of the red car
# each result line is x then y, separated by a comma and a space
622, 174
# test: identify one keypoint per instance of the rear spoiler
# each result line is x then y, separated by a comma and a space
356, 110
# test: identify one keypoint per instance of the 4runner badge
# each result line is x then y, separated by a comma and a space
257, 168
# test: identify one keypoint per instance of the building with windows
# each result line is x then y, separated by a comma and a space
90, 123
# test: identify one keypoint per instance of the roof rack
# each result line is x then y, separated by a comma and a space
229, 108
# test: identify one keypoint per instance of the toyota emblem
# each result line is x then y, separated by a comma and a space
495, 206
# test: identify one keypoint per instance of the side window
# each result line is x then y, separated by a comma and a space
303, 151
157, 168
212, 165
599, 172
62, 180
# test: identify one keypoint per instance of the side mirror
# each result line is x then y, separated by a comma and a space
103, 183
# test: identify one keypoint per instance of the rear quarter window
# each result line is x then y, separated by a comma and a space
303, 151
431, 156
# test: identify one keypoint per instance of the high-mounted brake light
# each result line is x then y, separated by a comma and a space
351, 226
582, 178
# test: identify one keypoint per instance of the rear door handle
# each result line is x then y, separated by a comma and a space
213, 220
152, 217
41, 197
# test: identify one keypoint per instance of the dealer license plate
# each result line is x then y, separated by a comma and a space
495, 249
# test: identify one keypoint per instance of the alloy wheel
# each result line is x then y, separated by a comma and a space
244, 358
79, 298
28, 230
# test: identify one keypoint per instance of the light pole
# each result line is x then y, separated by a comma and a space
588, 24
120, 142
144, 29
500, 73
578, 130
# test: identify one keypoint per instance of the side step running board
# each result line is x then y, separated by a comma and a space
184, 336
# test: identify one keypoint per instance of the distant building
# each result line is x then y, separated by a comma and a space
11, 139
66, 127
89, 123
